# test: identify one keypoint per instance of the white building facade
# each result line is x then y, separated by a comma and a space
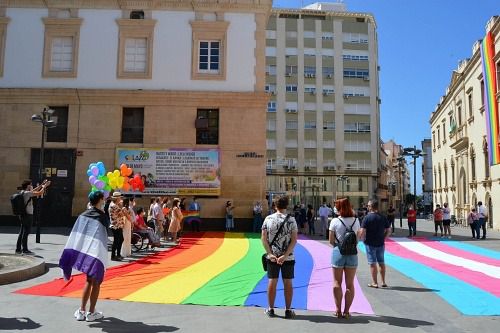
461, 170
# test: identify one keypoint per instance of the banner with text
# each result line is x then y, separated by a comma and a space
181, 172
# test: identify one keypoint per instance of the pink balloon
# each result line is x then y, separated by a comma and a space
95, 170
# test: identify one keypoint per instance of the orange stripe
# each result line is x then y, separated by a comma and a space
125, 284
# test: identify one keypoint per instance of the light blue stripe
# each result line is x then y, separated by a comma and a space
472, 248
467, 299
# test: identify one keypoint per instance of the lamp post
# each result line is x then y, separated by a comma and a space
401, 161
343, 179
414, 153
44, 118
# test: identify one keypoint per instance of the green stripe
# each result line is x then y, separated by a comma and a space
232, 286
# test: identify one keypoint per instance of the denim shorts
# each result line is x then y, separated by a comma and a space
340, 261
375, 254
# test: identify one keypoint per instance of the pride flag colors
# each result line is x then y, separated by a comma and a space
490, 104
214, 268
466, 276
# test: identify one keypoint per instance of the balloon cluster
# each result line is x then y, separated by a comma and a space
99, 179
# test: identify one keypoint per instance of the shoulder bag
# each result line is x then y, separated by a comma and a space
264, 256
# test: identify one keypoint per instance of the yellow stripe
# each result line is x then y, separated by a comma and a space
178, 286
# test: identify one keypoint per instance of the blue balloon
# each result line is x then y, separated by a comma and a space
89, 173
102, 169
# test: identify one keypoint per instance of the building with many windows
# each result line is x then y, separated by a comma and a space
398, 175
462, 172
185, 74
323, 114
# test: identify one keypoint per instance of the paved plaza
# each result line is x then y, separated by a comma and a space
405, 306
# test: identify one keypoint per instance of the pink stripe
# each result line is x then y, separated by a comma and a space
457, 252
320, 290
476, 279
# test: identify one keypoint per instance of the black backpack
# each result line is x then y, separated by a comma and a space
349, 243
18, 205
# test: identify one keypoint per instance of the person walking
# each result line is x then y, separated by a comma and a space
117, 217
280, 229
158, 216
324, 212
229, 216
194, 206
257, 217
438, 220
311, 217
126, 250
28, 192
473, 221
374, 230
446, 220
391, 215
411, 215
343, 265
175, 220
483, 216
86, 251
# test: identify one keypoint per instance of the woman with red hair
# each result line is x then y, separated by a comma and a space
343, 264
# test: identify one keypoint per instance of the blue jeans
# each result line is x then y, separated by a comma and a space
229, 222
481, 224
22, 239
412, 226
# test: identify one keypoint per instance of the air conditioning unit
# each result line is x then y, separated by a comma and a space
366, 78
290, 111
329, 76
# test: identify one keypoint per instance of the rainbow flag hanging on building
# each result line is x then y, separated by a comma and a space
490, 104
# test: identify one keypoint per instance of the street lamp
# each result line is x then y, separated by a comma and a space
401, 161
343, 179
414, 153
45, 119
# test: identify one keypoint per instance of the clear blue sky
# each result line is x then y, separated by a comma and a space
420, 44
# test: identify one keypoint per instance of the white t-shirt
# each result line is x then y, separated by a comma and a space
271, 225
158, 212
481, 210
339, 229
446, 214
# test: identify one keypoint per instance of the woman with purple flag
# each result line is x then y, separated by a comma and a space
86, 251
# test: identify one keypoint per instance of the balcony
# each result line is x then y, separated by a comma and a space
459, 139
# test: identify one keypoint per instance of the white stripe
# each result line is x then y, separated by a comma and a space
429, 252
88, 245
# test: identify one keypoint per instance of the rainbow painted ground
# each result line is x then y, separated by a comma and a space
214, 268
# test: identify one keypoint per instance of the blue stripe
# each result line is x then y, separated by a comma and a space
472, 248
303, 271
467, 299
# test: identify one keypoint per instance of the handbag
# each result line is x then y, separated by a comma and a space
264, 256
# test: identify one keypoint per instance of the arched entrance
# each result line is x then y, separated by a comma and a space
489, 206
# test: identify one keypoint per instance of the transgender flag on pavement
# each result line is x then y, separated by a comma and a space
86, 249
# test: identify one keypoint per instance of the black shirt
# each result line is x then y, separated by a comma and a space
375, 225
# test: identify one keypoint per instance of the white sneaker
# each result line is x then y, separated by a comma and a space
79, 315
94, 316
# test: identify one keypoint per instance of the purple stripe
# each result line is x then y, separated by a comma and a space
320, 291
82, 262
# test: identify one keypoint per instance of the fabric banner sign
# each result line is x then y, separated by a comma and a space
182, 172
490, 103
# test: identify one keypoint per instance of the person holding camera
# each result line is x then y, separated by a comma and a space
28, 193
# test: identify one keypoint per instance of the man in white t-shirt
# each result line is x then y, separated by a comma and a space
280, 254
324, 212
159, 217
483, 215
446, 220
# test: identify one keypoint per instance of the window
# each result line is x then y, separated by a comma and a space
486, 161
356, 73
328, 72
452, 173
309, 71
209, 55
310, 125
135, 48
60, 54
271, 106
133, 125
308, 52
310, 144
271, 144
209, 50
291, 34
328, 90
270, 34
434, 140
270, 87
291, 143
327, 36
271, 125
439, 136
482, 92
136, 15
329, 144
3, 34
445, 175
329, 125
469, 99
364, 127
444, 132
292, 125
289, 70
459, 112
353, 57
355, 38
270, 70
309, 34
60, 132
291, 88
310, 89
210, 134
473, 165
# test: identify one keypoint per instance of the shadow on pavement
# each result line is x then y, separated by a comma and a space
114, 325
421, 290
363, 319
18, 323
